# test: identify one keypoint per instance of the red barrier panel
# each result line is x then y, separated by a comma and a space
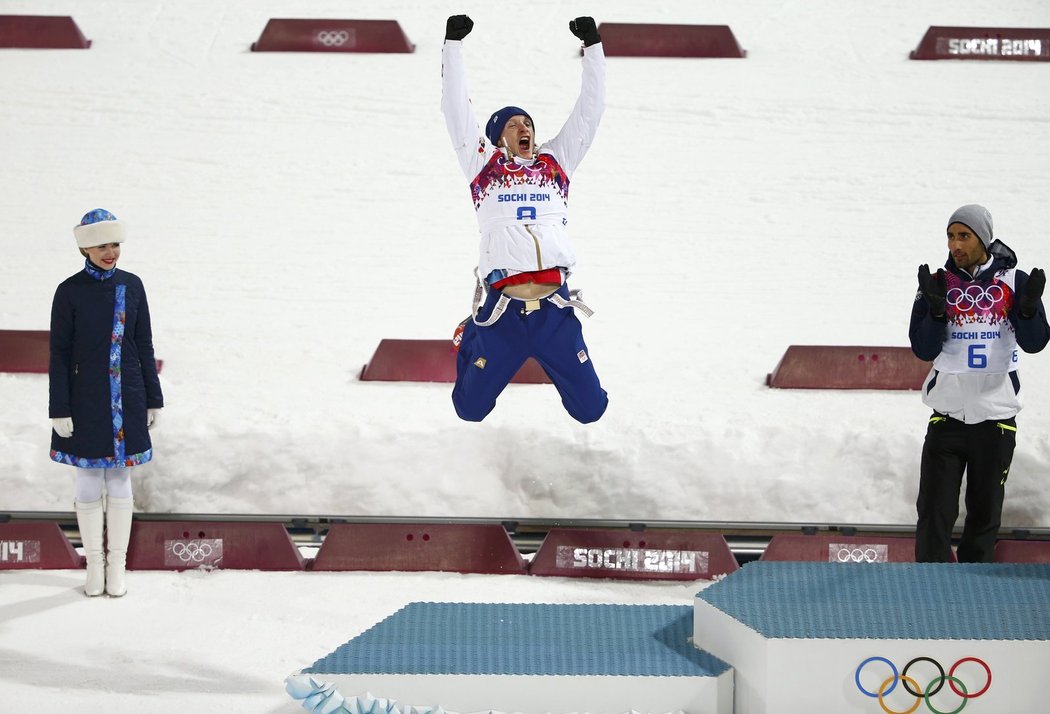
282, 35
625, 39
41, 32
826, 367
1022, 551
430, 361
184, 545
24, 351
28, 351
36, 545
984, 43
624, 554
467, 548
841, 549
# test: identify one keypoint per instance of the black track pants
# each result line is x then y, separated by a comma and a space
984, 451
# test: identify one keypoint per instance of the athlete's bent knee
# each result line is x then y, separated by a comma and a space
470, 412
591, 415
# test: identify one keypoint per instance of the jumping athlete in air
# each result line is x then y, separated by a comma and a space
970, 319
520, 192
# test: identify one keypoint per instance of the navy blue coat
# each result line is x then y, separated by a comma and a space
106, 432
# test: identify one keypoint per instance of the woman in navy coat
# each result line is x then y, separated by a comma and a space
104, 393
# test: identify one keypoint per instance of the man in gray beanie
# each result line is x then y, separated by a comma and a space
969, 320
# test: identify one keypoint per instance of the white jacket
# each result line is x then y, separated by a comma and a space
522, 205
975, 347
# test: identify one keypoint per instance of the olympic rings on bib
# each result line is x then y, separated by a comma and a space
916, 690
514, 167
975, 297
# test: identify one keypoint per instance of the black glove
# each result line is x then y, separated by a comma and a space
586, 30
933, 289
1033, 293
457, 27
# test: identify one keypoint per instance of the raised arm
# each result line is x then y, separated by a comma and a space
928, 321
460, 120
572, 142
1029, 316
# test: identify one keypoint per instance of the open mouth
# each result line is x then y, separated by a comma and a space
524, 144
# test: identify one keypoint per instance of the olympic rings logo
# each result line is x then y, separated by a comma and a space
514, 167
916, 690
857, 555
333, 38
975, 297
192, 552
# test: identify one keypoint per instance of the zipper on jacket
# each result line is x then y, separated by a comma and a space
76, 369
539, 259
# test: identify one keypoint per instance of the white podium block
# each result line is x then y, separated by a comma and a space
826, 637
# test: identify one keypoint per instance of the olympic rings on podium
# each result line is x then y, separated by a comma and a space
935, 663
333, 38
917, 691
987, 671
192, 552
865, 554
882, 693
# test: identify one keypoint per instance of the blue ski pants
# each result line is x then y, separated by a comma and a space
489, 357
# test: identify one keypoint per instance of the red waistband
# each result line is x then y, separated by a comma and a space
550, 276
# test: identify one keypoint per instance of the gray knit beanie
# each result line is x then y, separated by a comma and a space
978, 219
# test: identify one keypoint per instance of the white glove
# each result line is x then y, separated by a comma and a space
151, 417
63, 427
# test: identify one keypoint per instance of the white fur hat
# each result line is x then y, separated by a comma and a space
98, 227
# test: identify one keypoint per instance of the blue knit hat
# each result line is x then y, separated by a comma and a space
496, 123
98, 227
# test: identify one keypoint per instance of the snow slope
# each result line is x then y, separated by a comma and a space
288, 211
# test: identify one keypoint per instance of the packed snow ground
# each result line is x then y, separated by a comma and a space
287, 212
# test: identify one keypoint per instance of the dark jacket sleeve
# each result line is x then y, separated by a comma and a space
1033, 332
144, 343
926, 331
60, 366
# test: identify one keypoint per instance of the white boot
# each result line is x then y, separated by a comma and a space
89, 519
118, 534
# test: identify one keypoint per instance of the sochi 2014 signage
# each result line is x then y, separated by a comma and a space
19, 551
984, 43
633, 560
